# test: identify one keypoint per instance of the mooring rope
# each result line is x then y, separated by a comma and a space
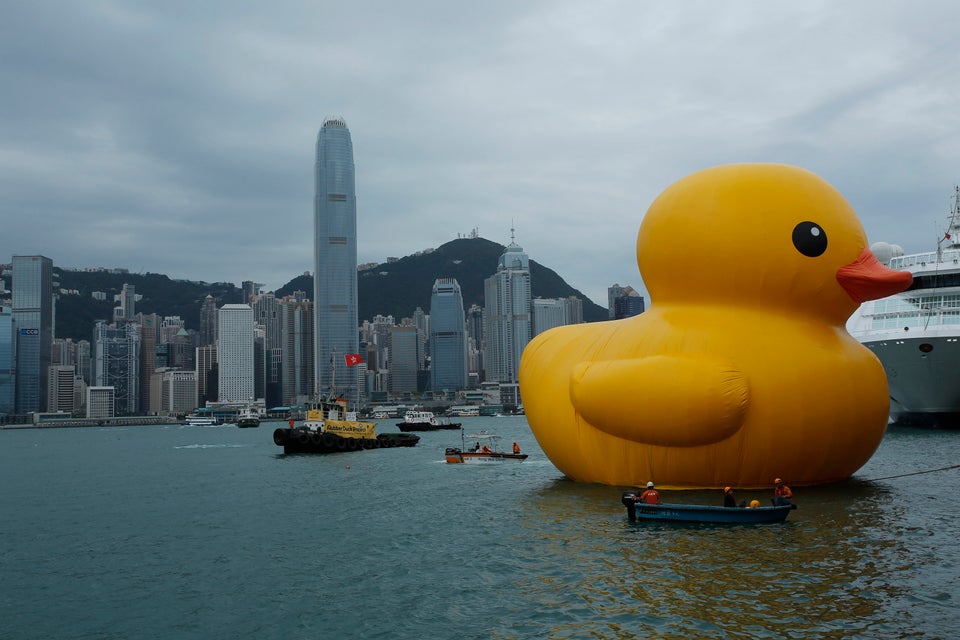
917, 473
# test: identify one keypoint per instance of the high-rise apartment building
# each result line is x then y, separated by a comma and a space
33, 329
507, 315
335, 260
625, 302
235, 353
448, 343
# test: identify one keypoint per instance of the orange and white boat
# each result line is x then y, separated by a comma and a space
483, 448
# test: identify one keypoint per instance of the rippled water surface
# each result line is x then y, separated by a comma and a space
193, 532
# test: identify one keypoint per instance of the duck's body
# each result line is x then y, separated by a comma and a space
741, 370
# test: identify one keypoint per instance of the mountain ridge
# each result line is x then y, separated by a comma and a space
396, 287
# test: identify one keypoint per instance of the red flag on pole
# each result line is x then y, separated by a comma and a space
352, 359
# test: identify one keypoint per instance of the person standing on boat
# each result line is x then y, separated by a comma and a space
728, 499
516, 448
651, 495
782, 494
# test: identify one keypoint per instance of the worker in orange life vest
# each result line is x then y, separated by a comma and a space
651, 495
781, 493
516, 447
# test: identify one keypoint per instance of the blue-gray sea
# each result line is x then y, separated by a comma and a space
193, 532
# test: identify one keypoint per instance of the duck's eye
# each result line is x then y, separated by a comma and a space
809, 239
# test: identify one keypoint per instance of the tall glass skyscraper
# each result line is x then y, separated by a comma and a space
33, 329
335, 257
448, 342
507, 300
7, 373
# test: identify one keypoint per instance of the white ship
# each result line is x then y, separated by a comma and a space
916, 333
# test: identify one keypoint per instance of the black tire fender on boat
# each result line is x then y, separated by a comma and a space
316, 438
342, 444
352, 444
279, 437
329, 440
304, 438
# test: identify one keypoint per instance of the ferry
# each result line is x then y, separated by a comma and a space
195, 420
916, 333
464, 411
425, 421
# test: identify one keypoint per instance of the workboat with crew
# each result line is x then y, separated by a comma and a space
708, 514
425, 421
330, 428
483, 448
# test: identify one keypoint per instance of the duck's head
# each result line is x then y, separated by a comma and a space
767, 235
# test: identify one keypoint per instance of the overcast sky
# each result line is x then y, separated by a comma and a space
179, 137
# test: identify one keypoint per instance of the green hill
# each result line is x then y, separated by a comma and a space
397, 288
394, 288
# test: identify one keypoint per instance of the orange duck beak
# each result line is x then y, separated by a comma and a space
866, 279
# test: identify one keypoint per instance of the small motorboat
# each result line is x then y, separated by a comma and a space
637, 510
484, 449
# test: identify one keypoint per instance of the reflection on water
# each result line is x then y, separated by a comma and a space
843, 565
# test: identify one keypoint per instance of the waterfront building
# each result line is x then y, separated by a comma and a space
100, 402
117, 363
507, 302
235, 353
33, 329
7, 371
149, 336
61, 384
175, 392
403, 360
448, 344
335, 255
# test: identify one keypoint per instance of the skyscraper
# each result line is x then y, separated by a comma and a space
335, 260
7, 373
448, 344
208, 322
507, 315
117, 363
33, 329
235, 353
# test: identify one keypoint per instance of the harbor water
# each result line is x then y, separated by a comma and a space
211, 532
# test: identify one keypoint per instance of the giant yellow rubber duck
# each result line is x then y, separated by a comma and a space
741, 370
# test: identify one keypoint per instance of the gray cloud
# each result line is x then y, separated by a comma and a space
179, 138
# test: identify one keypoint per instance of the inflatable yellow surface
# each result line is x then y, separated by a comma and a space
741, 370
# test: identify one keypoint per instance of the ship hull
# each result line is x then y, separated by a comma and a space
923, 376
